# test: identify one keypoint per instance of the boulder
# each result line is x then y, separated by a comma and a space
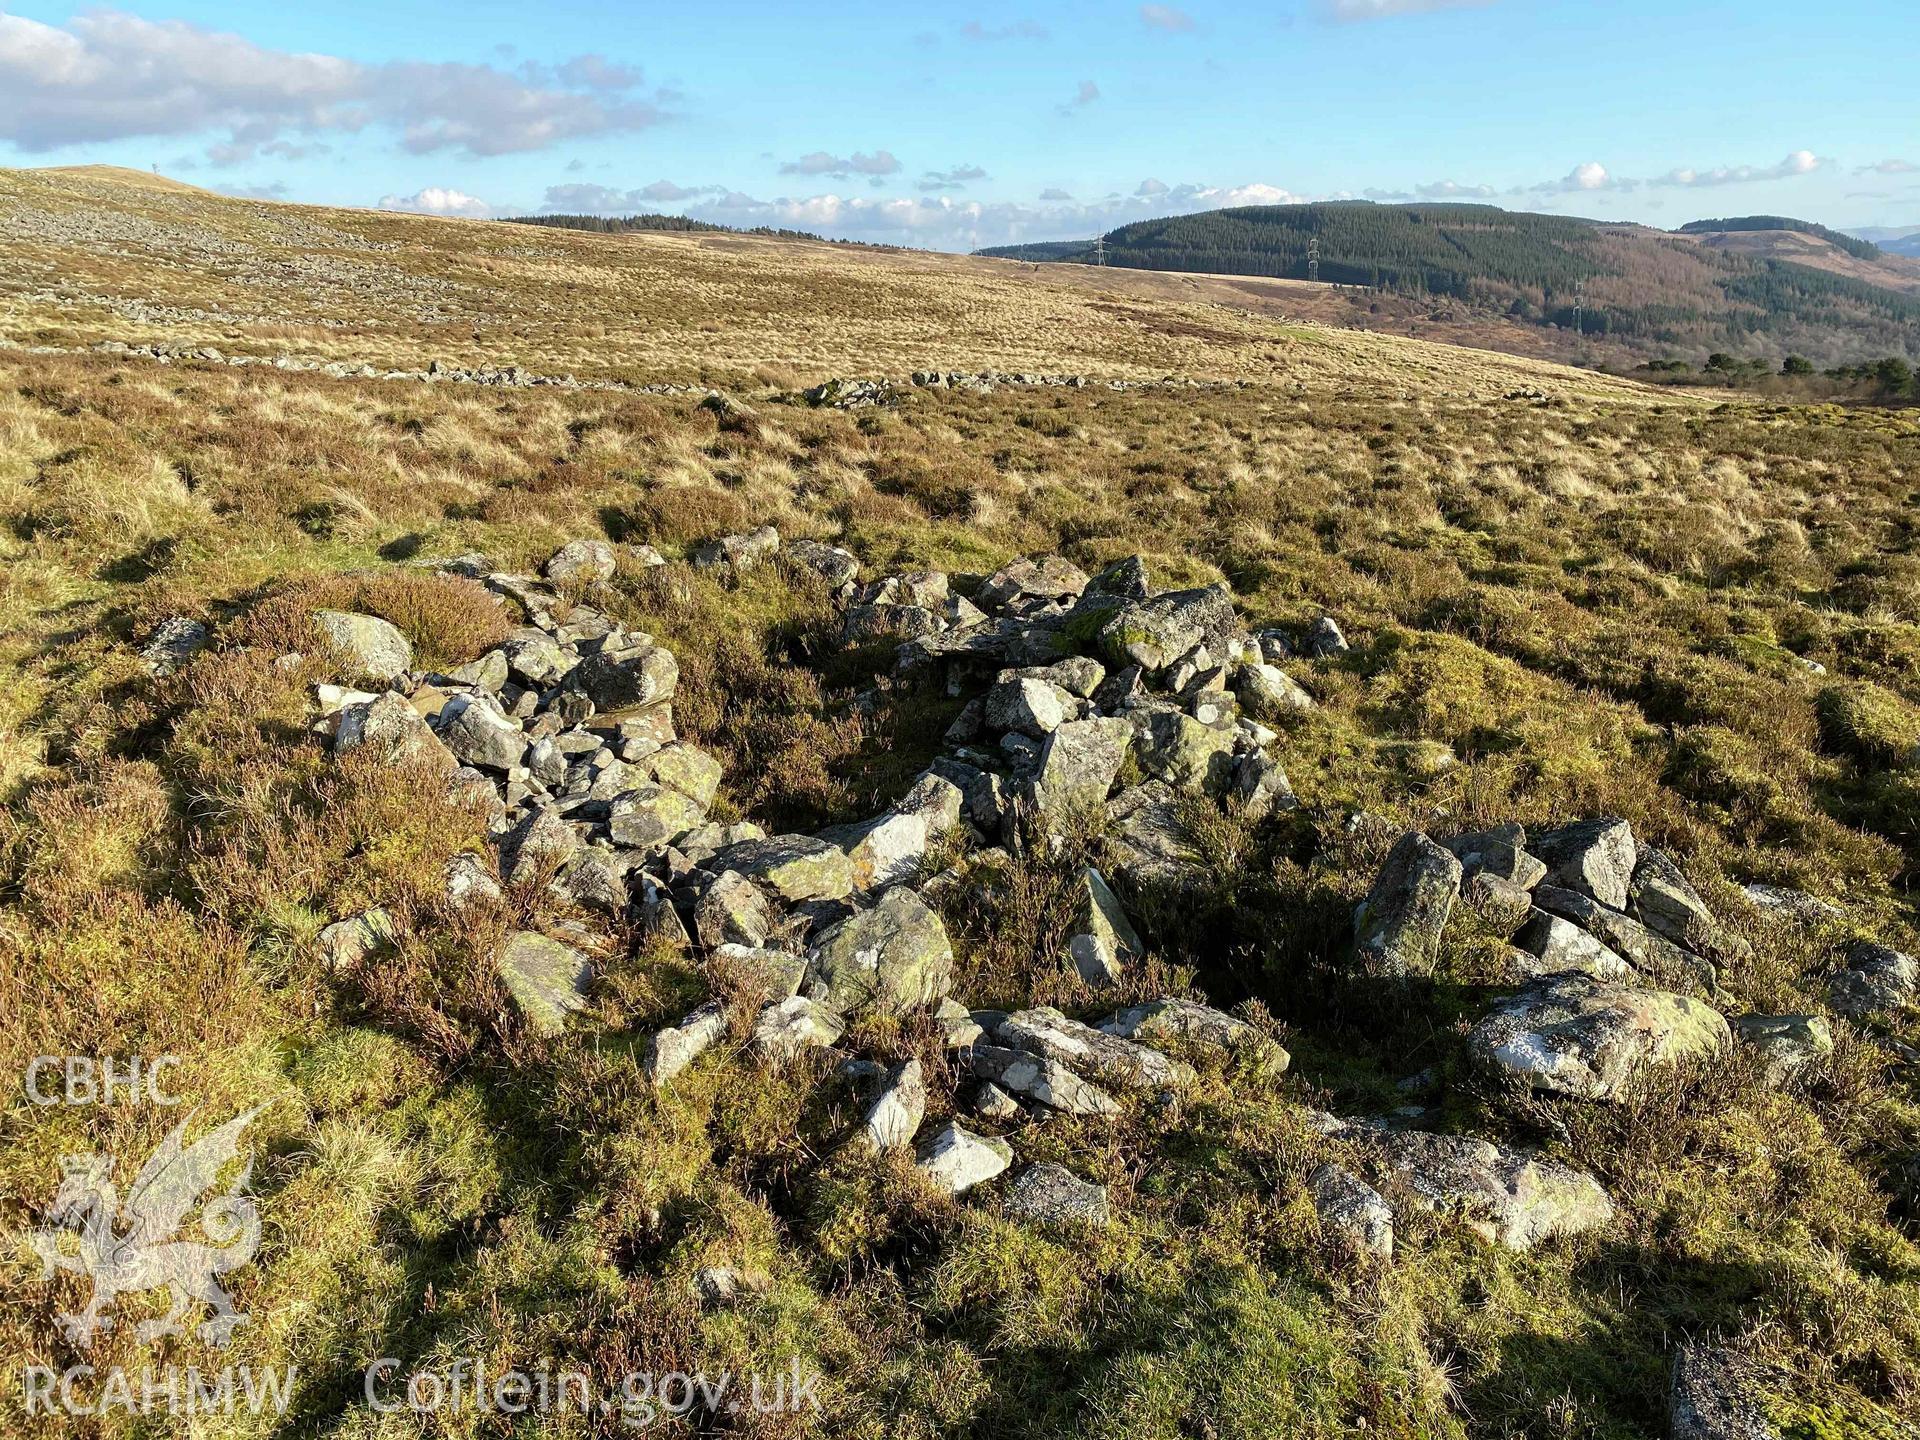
736, 552
992, 1103
1261, 786
535, 659
956, 1159
651, 817
1574, 1035
1323, 639
469, 883
1352, 1210
795, 867
1043, 577
478, 734
956, 1024
1078, 765
1106, 943
348, 942
1155, 633
581, 562
541, 843
896, 955
1047, 1082
1149, 847
626, 679
1051, 1194
890, 848
373, 650
1500, 852
1875, 980
832, 564
677, 1046
895, 1114
1031, 707
1559, 946
1594, 857
683, 767
1652, 955
1715, 1395
1397, 929
1266, 692
771, 974
1189, 1020
732, 911
388, 727
1105, 1057
786, 1027
547, 980
173, 642
1505, 1196
1178, 749
1503, 906
1660, 897
1786, 1044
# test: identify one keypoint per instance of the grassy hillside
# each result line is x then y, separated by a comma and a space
1645, 290
1566, 596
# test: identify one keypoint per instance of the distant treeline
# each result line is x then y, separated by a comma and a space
1859, 249
1641, 286
1890, 380
622, 224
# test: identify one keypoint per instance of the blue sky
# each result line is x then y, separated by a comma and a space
986, 123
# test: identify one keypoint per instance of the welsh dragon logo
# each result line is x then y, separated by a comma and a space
129, 1246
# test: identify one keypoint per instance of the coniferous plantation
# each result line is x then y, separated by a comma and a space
1643, 290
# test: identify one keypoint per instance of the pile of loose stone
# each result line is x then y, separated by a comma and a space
565, 735
844, 393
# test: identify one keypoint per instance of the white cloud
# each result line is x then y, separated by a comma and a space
1165, 17
958, 178
1889, 167
440, 200
588, 199
1800, 162
1055, 193
1149, 188
1083, 97
109, 75
1350, 11
880, 163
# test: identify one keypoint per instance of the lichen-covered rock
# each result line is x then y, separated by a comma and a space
1161, 1020
795, 867
1149, 847
1266, 692
895, 1115
832, 564
651, 817
388, 727
373, 650
348, 942
1786, 1044
896, 955
469, 883
1261, 786
1654, 956
891, 847
1500, 852
736, 552
475, 730
1661, 898
625, 679
677, 1046
1178, 749
1032, 707
732, 911
1352, 1210
173, 642
1078, 765
1037, 1078
1044, 577
581, 562
1100, 1054
1559, 946
683, 767
1501, 905
786, 1027
548, 980
956, 1159
1154, 633
1594, 857
541, 843
1397, 930
1574, 1035
1106, 942
1051, 1194
1876, 980
1715, 1395
1505, 1196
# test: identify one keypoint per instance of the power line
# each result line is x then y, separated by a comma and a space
1313, 259
1579, 307
1099, 249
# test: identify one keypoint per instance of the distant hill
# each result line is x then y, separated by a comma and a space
626, 224
1646, 291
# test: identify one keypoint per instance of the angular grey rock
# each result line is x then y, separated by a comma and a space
1154, 633
1500, 852
891, 847
832, 564
736, 552
1323, 639
1876, 980
677, 1046
1148, 845
1793, 904
626, 679
651, 817
547, 980
866, 623
1715, 1395
542, 842
896, 955
1032, 707
786, 1027
1352, 1210
796, 867
732, 911
1505, 1196
956, 1024
1051, 1194
1786, 1044
535, 659
1594, 857
1397, 929
469, 883
348, 942
1044, 577
1266, 692
581, 562
992, 1103
475, 730
1107, 942
1178, 749
387, 726
1574, 1035
895, 1115
956, 1159
1161, 1020
1559, 946
1078, 764
489, 673
1502, 905
1652, 955
596, 879
1039, 1079
373, 650
1262, 787
1103, 1056
173, 642
772, 974
1660, 897
683, 767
